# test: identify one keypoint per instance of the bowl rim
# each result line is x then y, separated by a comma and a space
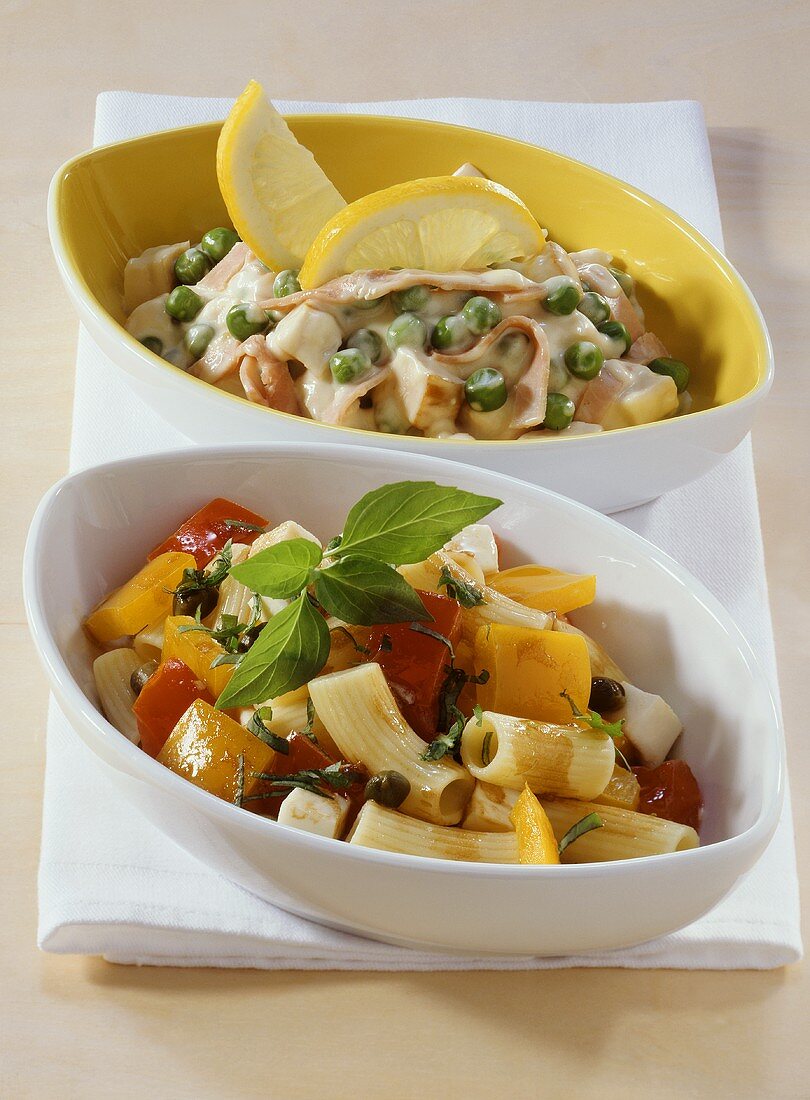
166, 375
750, 842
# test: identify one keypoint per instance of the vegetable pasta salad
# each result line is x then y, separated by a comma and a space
393, 687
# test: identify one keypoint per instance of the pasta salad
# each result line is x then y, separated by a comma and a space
392, 687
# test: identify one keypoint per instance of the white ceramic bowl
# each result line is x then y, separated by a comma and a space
91, 532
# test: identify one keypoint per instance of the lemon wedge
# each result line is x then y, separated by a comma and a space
445, 223
276, 194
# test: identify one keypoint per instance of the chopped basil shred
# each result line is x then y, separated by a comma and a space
486, 749
594, 720
239, 796
241, 525
464, 592
322, 781
585, 825
257, 727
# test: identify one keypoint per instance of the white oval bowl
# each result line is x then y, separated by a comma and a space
91, 532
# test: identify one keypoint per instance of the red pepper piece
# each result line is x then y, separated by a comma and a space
416, 665
304, 755
164, 699
206, 532
670, 791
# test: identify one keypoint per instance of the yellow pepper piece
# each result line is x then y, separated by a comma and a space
529, 669
140, 601
623, 790
204, 747
545, 589
196, 649
535, 837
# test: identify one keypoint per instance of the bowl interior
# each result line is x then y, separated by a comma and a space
111, 203
668, 635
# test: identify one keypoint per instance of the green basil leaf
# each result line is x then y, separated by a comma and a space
584, 825
408, 521
291, 649
280, 571
363, 591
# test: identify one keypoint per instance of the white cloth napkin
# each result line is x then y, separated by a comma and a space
111, 884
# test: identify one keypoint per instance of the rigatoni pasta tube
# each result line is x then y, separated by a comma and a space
112, 672
363, 719
625, 834
390, 831
560, 760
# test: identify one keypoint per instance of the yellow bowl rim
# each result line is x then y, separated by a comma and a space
75, 279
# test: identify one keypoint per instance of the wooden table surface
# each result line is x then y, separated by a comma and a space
78, 1027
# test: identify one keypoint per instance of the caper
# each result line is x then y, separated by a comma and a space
186, 602
190, 266
674, 368
183, 304
606, 694
249, 637
217, 243
388, 789
286, 282
562, 297
153, 344
411, 300
142, 673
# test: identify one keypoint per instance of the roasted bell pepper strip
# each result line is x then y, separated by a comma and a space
140, 601
535, 837
205, 747
198, 650
416, 664
206, 532
304, 755
670, 791
164, 700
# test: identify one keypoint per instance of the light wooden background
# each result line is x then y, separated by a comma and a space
72, 1027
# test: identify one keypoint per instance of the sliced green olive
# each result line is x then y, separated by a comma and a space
406, 331
187, 603
246, 319
675, 368
367, 341
153, 344
595, 307
559, 412
197, 338
411, 300
349, 364
183, 304
485, 390
616, 331
286, 282
451, 333
481, 314
388, 789
191, 265
584, 359
562, 296
217, 243
142, 674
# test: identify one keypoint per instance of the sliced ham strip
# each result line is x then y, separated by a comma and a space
221, 274
367, 285
348, 393
612, 380
269, 377
621, 309
596, 277
532, 387
646, 348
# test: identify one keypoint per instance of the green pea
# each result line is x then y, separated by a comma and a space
677, 371
349, 364
584, 359
217, 243
406, 331
183, 304
190, 266
616, 331
481, 315
450, 332
559, 412
624, 280
485, 390
563, 295
286, 282
153, 344
197, 339
595, 307
246, 319
411, 300
367, 341
369, 303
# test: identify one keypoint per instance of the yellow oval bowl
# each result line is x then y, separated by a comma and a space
112, 202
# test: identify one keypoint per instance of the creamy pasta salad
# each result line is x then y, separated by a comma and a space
393, 687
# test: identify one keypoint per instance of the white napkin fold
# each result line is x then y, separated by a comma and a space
111, 884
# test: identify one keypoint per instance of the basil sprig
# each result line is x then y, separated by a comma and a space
356, 582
